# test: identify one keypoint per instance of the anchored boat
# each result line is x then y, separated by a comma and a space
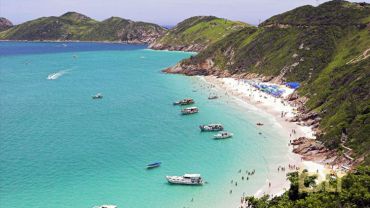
191, 110
187, 179
97, 96
153, 165
211, 127
212, 97
186, 101
223, 135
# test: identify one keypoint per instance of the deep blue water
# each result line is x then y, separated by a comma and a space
59, 148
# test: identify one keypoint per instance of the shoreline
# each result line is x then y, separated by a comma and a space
76, 41
248, 96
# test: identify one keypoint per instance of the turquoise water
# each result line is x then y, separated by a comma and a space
59, 148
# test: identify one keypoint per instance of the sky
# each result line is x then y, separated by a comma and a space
163, 12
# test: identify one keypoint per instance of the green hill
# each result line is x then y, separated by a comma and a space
116, 28
196, 33
326, 48
75, 26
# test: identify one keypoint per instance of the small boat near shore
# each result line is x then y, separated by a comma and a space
223, 135
186, 101
153, 165
186, 179
211, 127
188, 111
212, 97
97, 96
259, 124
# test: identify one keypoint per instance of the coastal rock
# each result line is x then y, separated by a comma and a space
310, 149
293, 96
308, 116
204, 68
267, 78
188, 70
190, 48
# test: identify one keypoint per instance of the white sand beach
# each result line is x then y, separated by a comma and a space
281, 111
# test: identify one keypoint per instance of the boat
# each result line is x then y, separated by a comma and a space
153, 165
223, 135
187, 179
211, 127
97, 96
191, 110
53, 76
106, 206
186, 101
259, 124
212, 97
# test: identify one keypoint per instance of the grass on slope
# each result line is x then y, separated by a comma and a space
49, 28
75, 26
200, 30
342, 94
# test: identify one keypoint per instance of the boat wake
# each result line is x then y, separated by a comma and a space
56, 75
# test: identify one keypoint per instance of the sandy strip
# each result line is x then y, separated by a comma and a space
268, 103
245, 92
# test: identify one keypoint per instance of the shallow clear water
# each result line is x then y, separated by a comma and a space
59, 148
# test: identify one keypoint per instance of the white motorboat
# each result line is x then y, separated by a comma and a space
223, 135
186, 101
187, 179
211, 127
97, 96
212, 97
191, 110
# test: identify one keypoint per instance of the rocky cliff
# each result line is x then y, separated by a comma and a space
5, 24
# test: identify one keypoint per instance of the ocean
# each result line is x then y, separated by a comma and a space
60, 148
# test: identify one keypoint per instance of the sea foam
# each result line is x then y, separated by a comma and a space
56, 75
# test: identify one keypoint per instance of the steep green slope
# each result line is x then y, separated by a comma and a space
196, 33
116, 28
326, 48
69, 26
75, 26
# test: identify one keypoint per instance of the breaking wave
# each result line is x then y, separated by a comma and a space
56, 75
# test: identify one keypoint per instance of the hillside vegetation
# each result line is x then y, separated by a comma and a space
75, 26
354, 192
326, 48
196, 33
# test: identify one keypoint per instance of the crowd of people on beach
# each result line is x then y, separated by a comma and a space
291, 167
246, 177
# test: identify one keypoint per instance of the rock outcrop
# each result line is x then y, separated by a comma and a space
5, 24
